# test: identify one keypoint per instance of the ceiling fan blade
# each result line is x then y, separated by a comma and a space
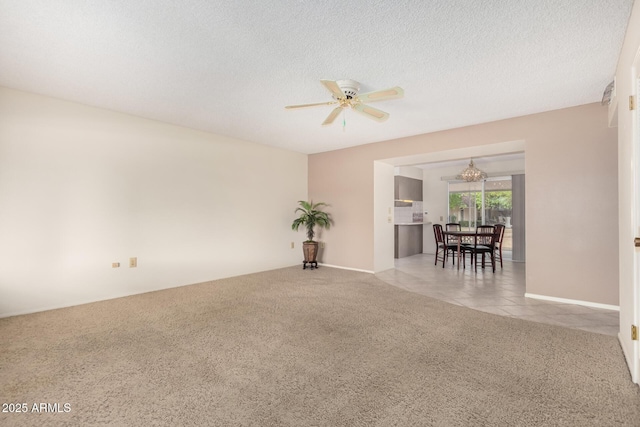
372, 113
332, 116
311, 105
333, 88
381, 95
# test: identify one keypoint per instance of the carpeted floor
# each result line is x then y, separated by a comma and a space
294, 347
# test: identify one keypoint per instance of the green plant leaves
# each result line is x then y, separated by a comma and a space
311, 216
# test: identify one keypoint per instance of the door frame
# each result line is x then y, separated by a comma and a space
634, 365
630, 222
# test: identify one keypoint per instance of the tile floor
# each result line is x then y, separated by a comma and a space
501, 293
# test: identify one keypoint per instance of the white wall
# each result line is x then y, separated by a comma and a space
384, 238
408, 171
81, 188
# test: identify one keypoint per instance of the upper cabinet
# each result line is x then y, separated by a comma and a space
407, 188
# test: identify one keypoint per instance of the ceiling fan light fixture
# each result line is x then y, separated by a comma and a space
345, 95
472, 174
349, 88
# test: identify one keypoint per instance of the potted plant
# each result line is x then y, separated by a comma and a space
311, 215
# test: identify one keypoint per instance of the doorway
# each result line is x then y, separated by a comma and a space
487, 202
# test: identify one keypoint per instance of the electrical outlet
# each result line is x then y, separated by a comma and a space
322, 245
115, 264
133, 262
389, 219
292, 245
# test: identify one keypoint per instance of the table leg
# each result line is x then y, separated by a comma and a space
459, 252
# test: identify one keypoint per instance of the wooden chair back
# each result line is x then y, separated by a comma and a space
498, 241
441, 247
452, 226
485, 235
437, 231
499, 232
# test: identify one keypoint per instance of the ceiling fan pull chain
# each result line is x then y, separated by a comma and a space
344, 119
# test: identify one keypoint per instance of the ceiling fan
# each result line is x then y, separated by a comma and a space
345, 95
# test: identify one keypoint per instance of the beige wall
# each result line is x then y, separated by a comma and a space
571, 161
81, 188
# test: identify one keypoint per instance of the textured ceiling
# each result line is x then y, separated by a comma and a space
230, 67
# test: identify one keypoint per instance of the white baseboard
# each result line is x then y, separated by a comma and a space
574, 301
72, 304
346, 268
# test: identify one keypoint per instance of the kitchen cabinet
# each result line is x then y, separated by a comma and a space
407, 188
408, 240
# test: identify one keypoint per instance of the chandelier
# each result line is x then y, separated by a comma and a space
471, 174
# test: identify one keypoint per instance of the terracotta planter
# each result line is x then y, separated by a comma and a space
310, 251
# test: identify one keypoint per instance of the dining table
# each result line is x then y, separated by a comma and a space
463, 237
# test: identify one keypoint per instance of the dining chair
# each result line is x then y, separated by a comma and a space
497, 244
453, 226
442, 247
453, 240
484, 244
465, 242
